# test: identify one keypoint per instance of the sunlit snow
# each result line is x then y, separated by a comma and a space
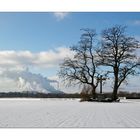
61, 113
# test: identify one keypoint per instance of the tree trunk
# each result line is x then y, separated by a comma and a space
94, 92
115, 89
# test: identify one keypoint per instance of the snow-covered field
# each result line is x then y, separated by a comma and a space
50, 113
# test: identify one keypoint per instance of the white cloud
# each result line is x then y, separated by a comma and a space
23, 80
136, 22
137, 37
14, 73
60, 15
46, 59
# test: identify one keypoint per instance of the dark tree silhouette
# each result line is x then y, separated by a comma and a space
118, 51
82, 68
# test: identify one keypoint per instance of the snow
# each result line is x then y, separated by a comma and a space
61, 113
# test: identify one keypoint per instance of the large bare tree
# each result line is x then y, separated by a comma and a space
118, 51
82, 68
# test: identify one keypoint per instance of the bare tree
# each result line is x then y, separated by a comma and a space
82, 68
118, 51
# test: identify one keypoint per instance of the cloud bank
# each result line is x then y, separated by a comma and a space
23, 80
14, 75
45, 59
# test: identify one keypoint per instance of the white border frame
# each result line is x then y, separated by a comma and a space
69, 6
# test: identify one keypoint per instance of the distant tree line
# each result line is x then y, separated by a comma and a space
37, 95
62, 95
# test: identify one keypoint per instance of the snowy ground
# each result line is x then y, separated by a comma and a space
68, 113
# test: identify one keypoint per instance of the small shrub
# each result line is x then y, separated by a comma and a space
85, 94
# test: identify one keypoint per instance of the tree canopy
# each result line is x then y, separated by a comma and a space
82, 68
118, 51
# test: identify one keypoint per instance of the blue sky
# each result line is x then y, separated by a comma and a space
42, 31
40, 37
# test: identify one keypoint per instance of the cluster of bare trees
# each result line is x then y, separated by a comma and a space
113, 55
